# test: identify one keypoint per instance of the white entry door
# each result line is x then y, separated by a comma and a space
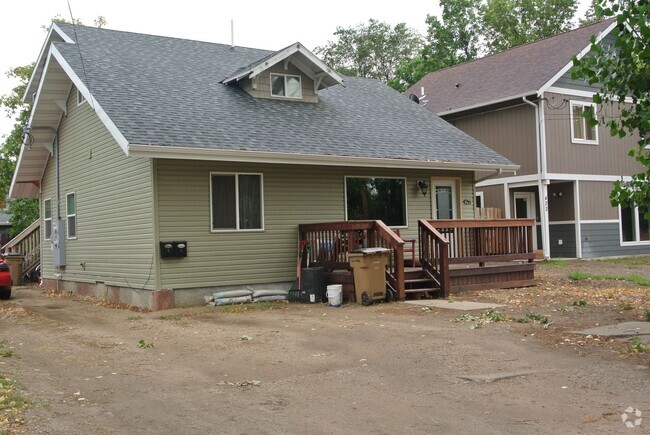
444, 199
525, 209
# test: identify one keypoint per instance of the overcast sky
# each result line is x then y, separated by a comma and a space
258, 24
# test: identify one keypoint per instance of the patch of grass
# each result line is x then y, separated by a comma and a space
257, 306
12, 405
7, 353
647, 315
643, 260
176, 318
143, 345
490, 316
636, 345
532, 317
579, 303
134, 318
636, 279
625, 306
558, 262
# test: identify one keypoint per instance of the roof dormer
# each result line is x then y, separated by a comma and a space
293, 73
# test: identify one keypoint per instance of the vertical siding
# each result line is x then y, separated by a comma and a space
561, 208
594, 201
493, 196
510, 132
292, 195
114, 205
603, 240
608, 157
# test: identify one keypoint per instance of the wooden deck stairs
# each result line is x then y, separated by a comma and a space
419, 283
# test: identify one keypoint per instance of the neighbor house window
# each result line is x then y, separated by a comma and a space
376, 198
47, 218
286, 86
236, 201
581, 131
80, 98
71, 215
635, 227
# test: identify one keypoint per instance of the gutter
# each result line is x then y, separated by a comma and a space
183, 153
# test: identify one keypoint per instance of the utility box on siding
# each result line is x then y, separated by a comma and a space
58, 243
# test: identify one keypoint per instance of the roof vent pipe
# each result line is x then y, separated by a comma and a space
414, 98
232, 34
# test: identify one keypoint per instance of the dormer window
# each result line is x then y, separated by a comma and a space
80, 98
286, 86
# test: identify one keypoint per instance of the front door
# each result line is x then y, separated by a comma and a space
444, 199
525, 209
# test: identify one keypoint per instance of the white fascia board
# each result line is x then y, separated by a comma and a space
48, 40
175, 152
108, 123
488, 103
509, 180
578, 93
589, 177
580, 55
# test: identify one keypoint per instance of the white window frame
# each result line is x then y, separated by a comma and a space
80, 98
238, 230
285, 85
45, 220
479, 195
406, 196
69, 215
635, 215
585, 124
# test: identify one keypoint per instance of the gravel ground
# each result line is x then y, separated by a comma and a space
88, 367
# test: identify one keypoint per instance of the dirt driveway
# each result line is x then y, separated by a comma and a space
391, 368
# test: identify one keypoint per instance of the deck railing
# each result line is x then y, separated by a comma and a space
487, 240
331, 242
434, 255
27, 243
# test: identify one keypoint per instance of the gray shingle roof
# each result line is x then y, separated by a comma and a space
517, 71
166, 92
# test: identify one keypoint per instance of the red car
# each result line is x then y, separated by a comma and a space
5, 281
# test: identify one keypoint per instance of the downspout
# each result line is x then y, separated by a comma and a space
542, 182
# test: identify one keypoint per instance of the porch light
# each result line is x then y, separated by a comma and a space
423, 186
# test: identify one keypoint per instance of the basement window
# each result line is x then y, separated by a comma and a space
286, 86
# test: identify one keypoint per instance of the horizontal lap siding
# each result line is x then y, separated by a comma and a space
603, 240
292, 195
114, 198
566, 233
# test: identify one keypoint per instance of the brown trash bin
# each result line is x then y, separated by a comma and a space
369, 267
15, 263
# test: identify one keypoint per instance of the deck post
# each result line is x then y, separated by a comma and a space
444, 270
399, 272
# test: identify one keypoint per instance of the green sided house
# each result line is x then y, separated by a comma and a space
168, 168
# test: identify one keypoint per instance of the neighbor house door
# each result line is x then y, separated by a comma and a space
525, 209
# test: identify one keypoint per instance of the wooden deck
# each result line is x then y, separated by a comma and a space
453, 255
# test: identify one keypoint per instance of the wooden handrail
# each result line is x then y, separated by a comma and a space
332, 241
434, 254
27, 243
23, 234
481, 223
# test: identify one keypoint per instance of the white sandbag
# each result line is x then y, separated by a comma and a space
271, 298
231, 293
276, 292
237, 300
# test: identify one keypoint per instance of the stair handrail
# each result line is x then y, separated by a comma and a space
14, 245
434, 254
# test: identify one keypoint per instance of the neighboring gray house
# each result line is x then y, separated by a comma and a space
523, 104
138, 141
5, 226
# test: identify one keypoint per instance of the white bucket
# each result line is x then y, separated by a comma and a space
334, 295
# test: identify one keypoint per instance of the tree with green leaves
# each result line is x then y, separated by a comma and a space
509, 23
372, 50
622, 71
452, 40
589, 17
22, 211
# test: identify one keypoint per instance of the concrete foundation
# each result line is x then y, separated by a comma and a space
154, 300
